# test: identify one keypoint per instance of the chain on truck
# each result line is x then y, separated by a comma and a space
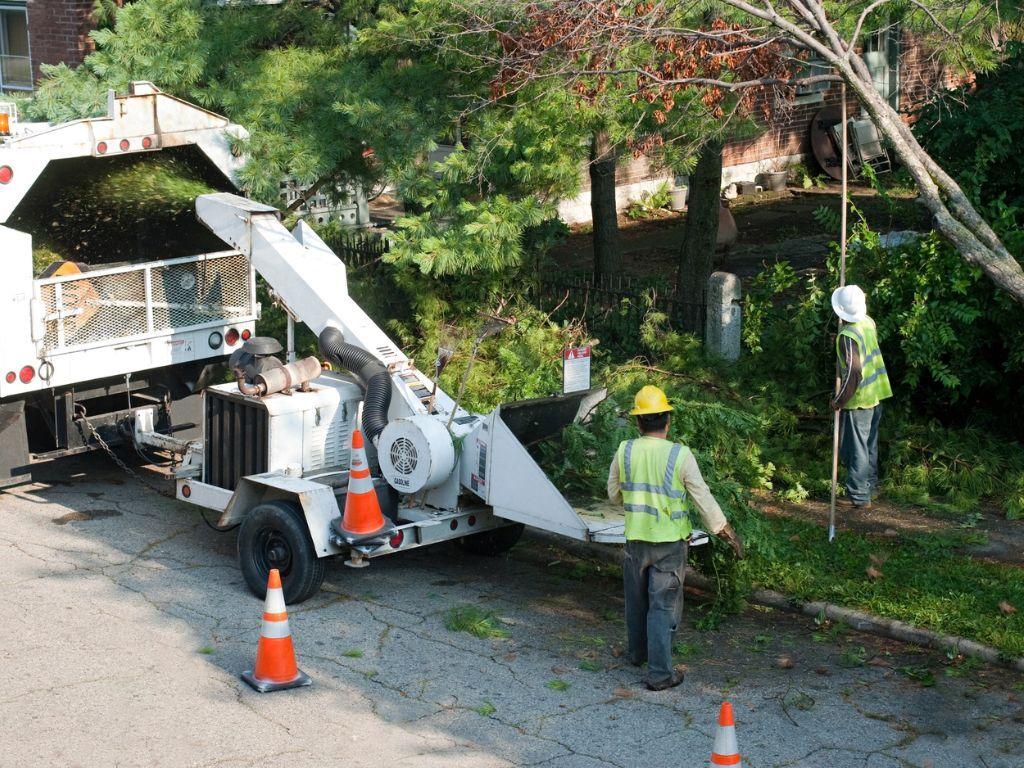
95, 355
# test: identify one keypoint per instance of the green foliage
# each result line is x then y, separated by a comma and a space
649, 203
486, 709
474, 621
976, 132
802, 175
557, 684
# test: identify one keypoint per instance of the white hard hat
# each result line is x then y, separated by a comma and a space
850, 303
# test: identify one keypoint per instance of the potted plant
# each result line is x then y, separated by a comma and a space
775, 177
677, 195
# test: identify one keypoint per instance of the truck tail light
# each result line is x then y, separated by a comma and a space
147, 143
27, 374
246, 334
125, 145
396, 540
11, 377
102, 147
231, 337
6, 174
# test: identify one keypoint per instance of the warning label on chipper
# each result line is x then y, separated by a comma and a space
575, 369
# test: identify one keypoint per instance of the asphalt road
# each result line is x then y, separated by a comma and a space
126, 624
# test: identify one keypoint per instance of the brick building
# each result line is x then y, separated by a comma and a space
902, 70
34, 32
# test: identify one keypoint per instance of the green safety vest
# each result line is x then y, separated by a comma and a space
874, 383
654, 498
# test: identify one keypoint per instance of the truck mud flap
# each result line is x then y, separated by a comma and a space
14, 455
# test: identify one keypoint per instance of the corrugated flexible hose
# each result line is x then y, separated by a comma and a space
371, 374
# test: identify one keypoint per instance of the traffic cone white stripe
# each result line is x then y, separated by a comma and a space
275, 629
274, 602
725, 740
359, 480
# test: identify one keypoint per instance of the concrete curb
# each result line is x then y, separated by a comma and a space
859, 620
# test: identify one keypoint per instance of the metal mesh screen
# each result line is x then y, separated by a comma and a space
107, 307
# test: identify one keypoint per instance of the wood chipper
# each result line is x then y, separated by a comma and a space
276, 447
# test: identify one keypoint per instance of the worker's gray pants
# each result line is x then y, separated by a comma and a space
653, 577
859, 451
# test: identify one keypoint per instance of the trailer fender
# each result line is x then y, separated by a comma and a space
316, 500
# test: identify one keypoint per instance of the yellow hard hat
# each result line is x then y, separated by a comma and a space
650, 399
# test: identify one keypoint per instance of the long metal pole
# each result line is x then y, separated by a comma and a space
842, 282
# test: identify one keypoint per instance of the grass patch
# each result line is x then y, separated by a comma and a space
353, 653
486, 709
588, 665
853, 657
924, 581
207, 650
558, 684
683, 650
920, 675
474, 621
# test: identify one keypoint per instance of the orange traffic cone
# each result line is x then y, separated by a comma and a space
362, 519
726, 751
275, 657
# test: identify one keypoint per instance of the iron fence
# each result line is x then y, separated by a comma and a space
614, 306
360, 250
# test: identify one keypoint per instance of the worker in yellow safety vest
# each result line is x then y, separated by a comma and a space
657, 482
863, 385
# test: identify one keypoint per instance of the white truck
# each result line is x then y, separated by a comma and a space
273, 458
86, 345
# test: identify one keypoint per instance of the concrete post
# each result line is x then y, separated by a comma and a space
722, 323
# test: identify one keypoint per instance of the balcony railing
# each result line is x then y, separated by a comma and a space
16, 72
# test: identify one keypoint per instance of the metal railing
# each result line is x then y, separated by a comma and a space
16, 72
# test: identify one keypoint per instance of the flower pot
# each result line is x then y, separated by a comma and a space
677, 198
747, 188
776, 181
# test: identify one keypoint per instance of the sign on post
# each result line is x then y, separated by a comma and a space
575, 369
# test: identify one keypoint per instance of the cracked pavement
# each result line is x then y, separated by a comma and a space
127, 624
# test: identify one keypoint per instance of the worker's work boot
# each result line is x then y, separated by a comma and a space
849, 503
663, 685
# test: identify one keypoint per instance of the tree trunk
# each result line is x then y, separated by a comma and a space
698, 250
602, 206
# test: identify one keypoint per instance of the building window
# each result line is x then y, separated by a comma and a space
15, 62
882, 57
811, 93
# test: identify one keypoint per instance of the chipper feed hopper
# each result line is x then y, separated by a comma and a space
275, 454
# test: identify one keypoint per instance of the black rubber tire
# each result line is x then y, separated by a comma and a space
496, 541
274, 535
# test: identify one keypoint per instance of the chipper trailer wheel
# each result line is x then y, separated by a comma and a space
274, 535
494, 542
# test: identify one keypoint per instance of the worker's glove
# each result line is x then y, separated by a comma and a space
730, 537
